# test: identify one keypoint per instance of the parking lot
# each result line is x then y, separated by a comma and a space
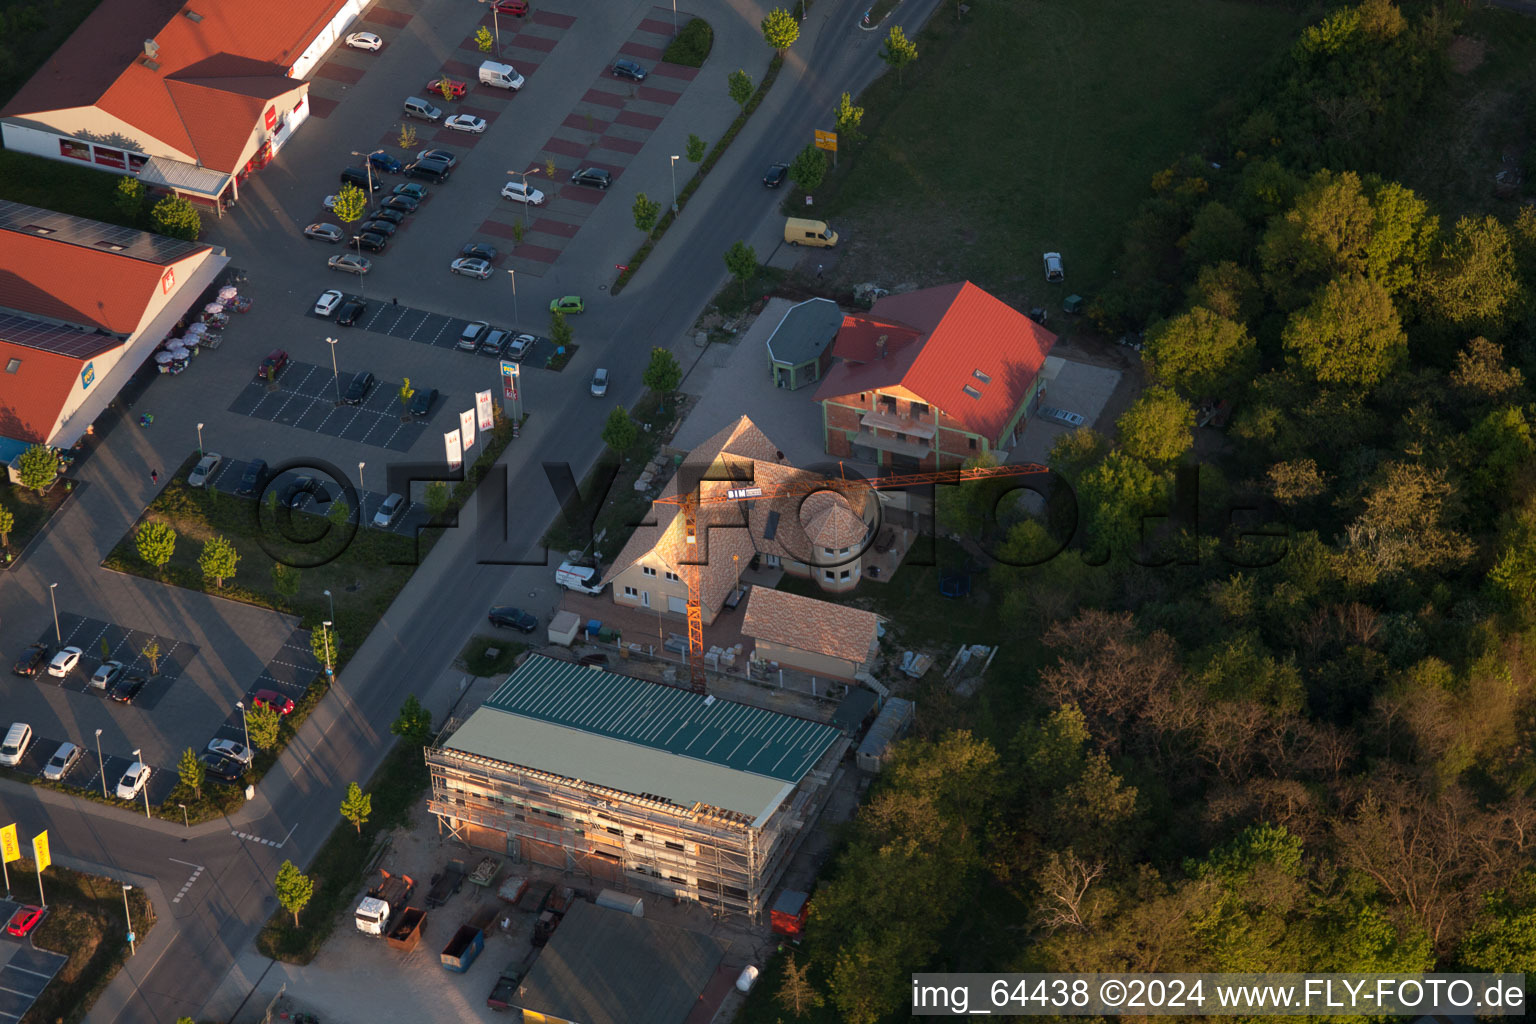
25, 970
122, 644
306, 397
226, 479
438, 330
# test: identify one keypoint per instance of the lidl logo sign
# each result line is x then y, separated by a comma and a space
87, 376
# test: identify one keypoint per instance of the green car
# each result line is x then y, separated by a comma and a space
568, 304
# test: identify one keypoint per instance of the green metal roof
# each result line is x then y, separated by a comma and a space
644, 738
805, 332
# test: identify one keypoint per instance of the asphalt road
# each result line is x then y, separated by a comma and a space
215, 919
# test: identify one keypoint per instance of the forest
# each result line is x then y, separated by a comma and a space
1321, 761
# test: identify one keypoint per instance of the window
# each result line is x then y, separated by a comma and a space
679, 881
828, 551
842, 551
971, 391
887, 402
111, 158
648, 571
75, 150
645, 598
616, 831
830, 575
972, 443
981, 376
919, 408
631, 592
12, 365
639, 838
845, 574
674, 577
674, 846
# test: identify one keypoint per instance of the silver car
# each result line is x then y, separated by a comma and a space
106, 675
204, 470
231, 749
323, 232
600, 383
388, 512
61, 762
350, 263
1062, 416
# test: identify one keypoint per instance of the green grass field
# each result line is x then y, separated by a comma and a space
1034, 127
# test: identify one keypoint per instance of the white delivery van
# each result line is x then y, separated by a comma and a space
17, 739
502, 76
581, 578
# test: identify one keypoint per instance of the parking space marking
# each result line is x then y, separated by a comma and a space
191, 880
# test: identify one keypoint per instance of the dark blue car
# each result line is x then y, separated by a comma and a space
382, 161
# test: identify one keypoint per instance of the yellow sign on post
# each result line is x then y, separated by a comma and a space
40, 851
10, 849
826, 140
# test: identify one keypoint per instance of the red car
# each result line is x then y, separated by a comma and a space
458, 89
270, 699
24, 921
272, 365
517, 7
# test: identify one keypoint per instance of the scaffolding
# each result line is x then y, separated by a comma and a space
706, 854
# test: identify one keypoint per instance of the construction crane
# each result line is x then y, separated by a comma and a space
691, 501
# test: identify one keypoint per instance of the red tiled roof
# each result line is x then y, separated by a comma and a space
214, 79
75, 284
807, 624
30, 399
937, 340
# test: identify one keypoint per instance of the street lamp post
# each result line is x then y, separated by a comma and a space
199, 440
101, 766
57, 633
524, 176
327, 634
335, 373
331, 599
496, 24
360, 466
138, 758
674, 16
243, 725
127, 913
674, 184
184, 820
368, 167
516, 317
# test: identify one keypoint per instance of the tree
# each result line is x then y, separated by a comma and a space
294, 889
191, 771
176, 217
156, 543
356, 806
437, 498
549, 168
740, 84
1158, 427
407, 135
1200, 354
1217, 233
646, 210
351, 203
445, 87
38, 467
1227, 289
7, 524
695, 148
899, 51
414, 723
808, 168
741, 261
406, 393
218, 560
1483, 375
1503, 939
128, 197
285, 580
620, 432
849, 118
324, 644
1114, 496
151, 654
1474, 284
263, 723
780, 30
559, 330
339, 512
663, 373
797, 994
1350, 334
483, 39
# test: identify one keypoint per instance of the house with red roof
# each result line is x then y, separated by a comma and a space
928, 379
82, 306
189, 95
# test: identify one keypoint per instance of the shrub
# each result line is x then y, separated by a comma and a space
692, 44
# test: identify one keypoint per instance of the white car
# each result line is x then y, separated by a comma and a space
204, 469
132, 782
518, 192
329, 300
1053, 271
471, 268
1062, 416
106, 675
65, 661
231, 749
519, 347
364, 41
61, 762
465, 123
388, 512
600, 383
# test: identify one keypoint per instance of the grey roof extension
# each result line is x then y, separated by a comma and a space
808, 329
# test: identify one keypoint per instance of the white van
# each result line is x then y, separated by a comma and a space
582, 578
17, 739
415, 106
502, 76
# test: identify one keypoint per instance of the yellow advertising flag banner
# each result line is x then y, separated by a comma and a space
10, 849
40, 851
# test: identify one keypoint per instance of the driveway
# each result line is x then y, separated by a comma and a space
1077, 387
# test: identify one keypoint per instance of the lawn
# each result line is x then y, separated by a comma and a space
478, 661
85, 922
31, 511
1034, 127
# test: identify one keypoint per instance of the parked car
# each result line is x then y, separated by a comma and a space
329, 300
349, 313
232, 749
370, 240
106, 674
64, 662
444, 155
364, 41
17, 739
133, 780
31, 659
294, 493
422, 402
519, 347
60, 763
494, 341
393, 216
469, 337
513, 618
222, 769
516, 8
628, 69
410, 190
277, 359
471, 268
330, 202
357, 391
593, 176
1053, 271
1062, 416
389, 511
455, 89
430, 170
324, 232
204, 469
380, 227
274, 700
567, 304
520, 192
382, 161
128, 688
350, 263
776, 175
600, 383
23, 921
465, 123
480, 251
251, 480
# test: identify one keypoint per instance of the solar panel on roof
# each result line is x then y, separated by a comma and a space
49, 337
93, 234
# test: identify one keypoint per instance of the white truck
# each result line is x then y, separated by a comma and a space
502, 76
386, 899
581, 578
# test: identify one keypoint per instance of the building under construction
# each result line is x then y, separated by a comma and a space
631, 782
